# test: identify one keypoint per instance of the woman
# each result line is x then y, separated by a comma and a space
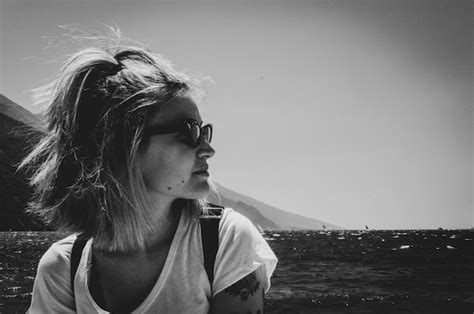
124, 163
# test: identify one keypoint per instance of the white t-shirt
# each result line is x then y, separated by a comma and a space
183, 285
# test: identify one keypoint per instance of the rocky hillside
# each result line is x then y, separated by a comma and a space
282, 219
18, 113
14, 191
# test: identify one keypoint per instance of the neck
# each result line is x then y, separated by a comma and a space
165, 219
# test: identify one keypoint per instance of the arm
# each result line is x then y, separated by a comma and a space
244, 296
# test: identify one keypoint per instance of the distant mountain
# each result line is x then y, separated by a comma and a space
18, 113
14, 190
283, 219
252, 213
40, 116
18, 128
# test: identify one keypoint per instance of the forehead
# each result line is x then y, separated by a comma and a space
178, 109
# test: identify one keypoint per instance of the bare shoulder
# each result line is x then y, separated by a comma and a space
244, 296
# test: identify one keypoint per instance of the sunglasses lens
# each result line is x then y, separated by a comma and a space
207, 133
195, 132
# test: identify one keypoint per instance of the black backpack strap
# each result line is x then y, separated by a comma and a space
76, 254
210, 237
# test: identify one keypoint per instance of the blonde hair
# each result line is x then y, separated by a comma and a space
84, 174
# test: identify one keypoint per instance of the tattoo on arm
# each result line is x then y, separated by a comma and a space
244, 287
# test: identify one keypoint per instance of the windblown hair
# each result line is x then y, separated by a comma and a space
84, 171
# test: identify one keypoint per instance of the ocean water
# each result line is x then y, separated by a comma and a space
415, 271
405, 271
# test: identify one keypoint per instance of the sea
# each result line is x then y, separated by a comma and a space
350, 271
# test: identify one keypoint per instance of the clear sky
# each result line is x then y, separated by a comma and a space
353, 112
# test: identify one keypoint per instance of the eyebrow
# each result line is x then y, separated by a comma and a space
192, 119
174, 122
182, 118
171, 127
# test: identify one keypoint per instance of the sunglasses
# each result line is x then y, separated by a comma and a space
191, 129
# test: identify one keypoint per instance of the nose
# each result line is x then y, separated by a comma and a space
205, 150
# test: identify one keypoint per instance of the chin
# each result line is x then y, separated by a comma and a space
200, 191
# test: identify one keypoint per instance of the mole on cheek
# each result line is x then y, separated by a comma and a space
169, 188
182, 181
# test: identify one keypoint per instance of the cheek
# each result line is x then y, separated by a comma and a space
166, 170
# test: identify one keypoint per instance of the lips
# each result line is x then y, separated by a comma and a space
202, 169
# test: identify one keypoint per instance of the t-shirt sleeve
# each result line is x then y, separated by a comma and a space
52, 292
242, 249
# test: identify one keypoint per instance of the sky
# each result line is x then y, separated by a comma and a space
352, 112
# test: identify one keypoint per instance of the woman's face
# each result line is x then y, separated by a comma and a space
168, 164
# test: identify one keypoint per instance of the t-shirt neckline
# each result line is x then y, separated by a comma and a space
159, 282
